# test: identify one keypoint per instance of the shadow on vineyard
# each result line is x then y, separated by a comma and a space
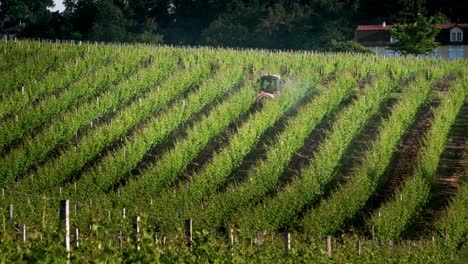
451, 175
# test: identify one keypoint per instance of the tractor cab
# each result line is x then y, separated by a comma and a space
270, 83
270, 87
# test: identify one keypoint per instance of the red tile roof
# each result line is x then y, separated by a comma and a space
380, 27
448, 26
373, 27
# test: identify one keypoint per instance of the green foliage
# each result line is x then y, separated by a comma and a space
348, 46
346, 202
14, 11
110, 22
396, 214
415, 38
280, 26
166, 134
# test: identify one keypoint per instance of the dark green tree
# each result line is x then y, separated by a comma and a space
110, 23
13, 12
415, 38
80, 14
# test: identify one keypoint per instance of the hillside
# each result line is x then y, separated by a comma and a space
366, 152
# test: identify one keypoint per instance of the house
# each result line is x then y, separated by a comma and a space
372, 35
378, 35
12, 32
453, 39
453, 34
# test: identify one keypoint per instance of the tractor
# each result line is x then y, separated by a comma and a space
270, 87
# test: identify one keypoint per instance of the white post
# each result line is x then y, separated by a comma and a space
137, 232
23, 232
10, 212
120, 239
77, 237
329, 246
188, 231
287, 243
65, 221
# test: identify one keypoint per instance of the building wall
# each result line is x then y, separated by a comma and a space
381, 38
449, 52
444, 37
372, 37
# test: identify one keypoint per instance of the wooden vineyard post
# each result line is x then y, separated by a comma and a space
359, 246
65, 222
231, 235
329, 246
188, 231
287, 243
259, 240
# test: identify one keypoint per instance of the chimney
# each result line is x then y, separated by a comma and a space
384, 24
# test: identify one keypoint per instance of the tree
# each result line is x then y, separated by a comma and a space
14, 11
348, 46
415, 38
110, 23
81, 15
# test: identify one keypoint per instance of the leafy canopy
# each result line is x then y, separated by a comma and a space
415, 38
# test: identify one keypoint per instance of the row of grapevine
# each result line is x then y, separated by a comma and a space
175, 161
222, 115
393, 216
55, 81
35, 149
172, 163
152, 132
227, 159
87, 88
454, 224
343, 204
140, 138
13, 53
73, 158
150, 246
264, 175
27, 74
120, 162
281, 209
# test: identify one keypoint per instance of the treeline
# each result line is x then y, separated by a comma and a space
278, 24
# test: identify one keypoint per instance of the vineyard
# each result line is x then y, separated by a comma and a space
144, 153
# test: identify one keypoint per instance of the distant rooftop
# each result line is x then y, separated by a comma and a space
387, 27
